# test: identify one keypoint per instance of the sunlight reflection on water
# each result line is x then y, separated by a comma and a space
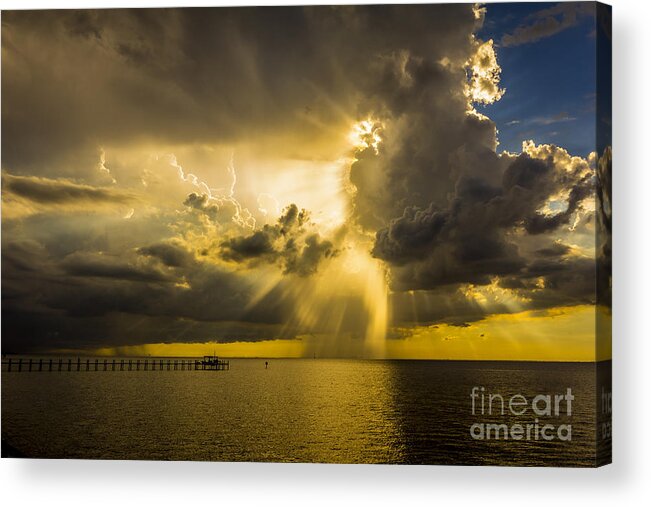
337, 411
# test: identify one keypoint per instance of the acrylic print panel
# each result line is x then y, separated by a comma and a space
352, 234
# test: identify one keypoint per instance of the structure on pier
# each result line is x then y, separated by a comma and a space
211, 363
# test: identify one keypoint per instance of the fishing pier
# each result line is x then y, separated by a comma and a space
25, 364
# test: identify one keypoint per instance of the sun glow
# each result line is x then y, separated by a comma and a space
366, 134
342, 309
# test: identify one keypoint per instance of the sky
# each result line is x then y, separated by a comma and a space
376, 182
555, 107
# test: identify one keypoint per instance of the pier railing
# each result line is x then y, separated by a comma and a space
21, 364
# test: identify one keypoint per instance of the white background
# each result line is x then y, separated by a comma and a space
627, 481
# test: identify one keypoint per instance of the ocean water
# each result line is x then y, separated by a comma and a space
299, 410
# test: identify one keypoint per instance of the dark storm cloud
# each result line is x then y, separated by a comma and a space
430, 140
76, 80
563, 281
256, 245
554, 250
410, 237
304, 260
91, 300
288, 242
445, 305
604, 227
443, 203
474, 232
169, 253
538, 223
25, 255
445, 208
49, 191
73, 80
467, 241
548, 22
104, 266
60, 291
201, 202
530, 182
